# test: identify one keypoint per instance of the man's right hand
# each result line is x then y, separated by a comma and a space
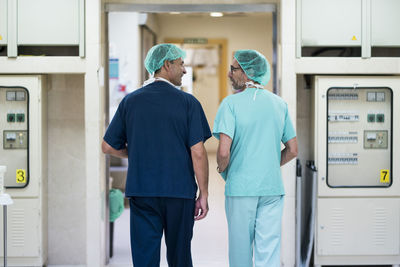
107, 149
200, 167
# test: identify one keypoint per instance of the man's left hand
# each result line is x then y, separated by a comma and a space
201, 208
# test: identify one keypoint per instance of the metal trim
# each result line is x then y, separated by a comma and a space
299, 5
12, 46
82, 28
366, 29
275, 88
188, 8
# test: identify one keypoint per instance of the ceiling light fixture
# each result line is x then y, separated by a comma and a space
216, 14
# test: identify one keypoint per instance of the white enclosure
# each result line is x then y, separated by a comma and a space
23, 146
356, 147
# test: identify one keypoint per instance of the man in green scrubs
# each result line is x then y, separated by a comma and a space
250, 126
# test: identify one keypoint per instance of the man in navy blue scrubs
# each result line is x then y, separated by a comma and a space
162, 130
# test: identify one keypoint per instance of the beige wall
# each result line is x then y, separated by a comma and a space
205, 89
304, 121
66, 170
250, 32
241, 32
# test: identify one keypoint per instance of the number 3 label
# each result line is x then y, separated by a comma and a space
21, 176
385, 176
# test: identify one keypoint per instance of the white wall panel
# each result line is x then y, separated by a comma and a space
3, 22
385, 21
47, 22
331, 23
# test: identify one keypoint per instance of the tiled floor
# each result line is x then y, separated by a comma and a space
210, 238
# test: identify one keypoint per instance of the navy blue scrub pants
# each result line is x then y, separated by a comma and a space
150, 216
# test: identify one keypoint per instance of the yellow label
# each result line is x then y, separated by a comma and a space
354, 38
21, 176
385, 176
1, 37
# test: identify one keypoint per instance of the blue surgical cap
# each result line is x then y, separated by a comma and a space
158, 54
255, 65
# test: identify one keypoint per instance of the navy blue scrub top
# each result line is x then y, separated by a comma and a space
158, 124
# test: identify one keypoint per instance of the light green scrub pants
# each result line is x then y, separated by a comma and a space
254, 221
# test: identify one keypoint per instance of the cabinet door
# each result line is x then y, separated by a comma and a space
48, 22
358, 227
331, 23
385, 21
3, 22
24, 230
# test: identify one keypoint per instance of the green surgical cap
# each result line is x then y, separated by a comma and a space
158, 54
255, 65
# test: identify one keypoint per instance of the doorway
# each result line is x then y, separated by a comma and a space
241, 27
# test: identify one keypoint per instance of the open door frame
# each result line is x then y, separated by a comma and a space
223, 66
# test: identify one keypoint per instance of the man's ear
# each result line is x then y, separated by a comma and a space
166, 65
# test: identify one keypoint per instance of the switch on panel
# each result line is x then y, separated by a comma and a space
15, 96
375, 139
15, 140
11, 137
380, 96
20, 96
380, 117
20, 117
371, 96
10, 117
371, 137
371, 117
10, 95
376, 96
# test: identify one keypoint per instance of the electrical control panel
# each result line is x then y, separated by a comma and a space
14, 121
356, 148
23, 150
359, 129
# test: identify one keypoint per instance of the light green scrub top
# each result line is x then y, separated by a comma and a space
257, 121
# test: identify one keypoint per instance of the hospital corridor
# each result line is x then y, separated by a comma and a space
68, 68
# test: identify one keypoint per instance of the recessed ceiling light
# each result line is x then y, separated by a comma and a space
174, 13
216, 14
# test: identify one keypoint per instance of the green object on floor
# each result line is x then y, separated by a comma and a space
116, 204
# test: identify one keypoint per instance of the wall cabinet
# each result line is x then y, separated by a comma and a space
331, 23
364, 24
385, 21
43, 23
3, 22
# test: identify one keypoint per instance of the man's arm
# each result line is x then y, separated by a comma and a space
289, 152
107, 149
200, 166
224, 152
